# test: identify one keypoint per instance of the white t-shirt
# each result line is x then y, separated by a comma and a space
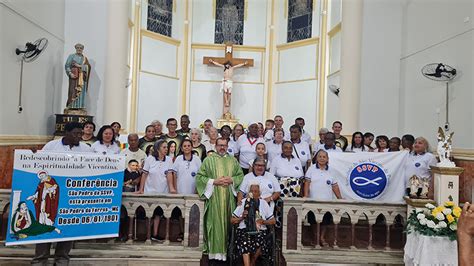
273, 150
232, 146
246, 149
302, 152
419, 165
186, 174
356, 150
377, 150
282, 167
157, 170
265, 212
58, 146
321, 182
209, 146
306, 137
269, 135
139, 155
268, 184
105, 149
333, 149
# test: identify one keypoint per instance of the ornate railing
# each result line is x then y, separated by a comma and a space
367, 232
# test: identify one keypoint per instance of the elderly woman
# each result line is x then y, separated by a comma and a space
287, 168
252, 215
198, 148
418, 163
158, 128
270, 188
210, 143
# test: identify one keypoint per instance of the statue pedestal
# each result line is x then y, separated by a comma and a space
227, 119
63, 119
446, 183
415, 204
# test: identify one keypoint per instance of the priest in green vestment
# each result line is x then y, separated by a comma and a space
218, 182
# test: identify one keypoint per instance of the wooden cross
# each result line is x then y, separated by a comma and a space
228, 58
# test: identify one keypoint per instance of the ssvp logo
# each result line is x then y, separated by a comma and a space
368, 180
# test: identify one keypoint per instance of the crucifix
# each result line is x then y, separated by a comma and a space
228, 63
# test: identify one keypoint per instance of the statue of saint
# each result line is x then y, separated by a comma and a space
78, 71
226, 85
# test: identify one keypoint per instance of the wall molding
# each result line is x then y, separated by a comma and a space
158, 74
336, 72
463, 154
9, 140
336, 29
296, 80
159, 37
216, 46
296, 44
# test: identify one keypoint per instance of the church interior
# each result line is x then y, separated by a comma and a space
364, 63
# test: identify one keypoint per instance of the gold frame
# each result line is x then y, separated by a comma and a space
184, 74
269, 100
331, 34
214, 46
165, 39
322, 67
159, 37
296, 80
295, 44
292, 45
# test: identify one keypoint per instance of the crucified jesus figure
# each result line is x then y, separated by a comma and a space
226, 86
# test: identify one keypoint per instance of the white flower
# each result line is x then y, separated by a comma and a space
440, 216
453, 227
431, 224
430, 206
423, 221
447, 211
420, 216
442, 224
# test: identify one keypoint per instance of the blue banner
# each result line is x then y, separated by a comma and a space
64, 196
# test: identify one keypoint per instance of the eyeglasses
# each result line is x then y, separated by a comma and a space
260, 165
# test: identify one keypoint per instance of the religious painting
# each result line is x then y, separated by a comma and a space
229, 21
300, 19
160, 16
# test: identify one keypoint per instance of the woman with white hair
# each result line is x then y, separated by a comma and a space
158, 128
210, 143
419, 162
198, 148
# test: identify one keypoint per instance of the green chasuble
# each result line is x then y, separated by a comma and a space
220, 202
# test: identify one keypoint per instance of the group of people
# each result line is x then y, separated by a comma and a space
226, 167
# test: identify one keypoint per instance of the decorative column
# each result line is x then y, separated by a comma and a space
115, 92
351, 41
446, 183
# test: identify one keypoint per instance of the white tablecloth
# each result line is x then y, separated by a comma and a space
430, 250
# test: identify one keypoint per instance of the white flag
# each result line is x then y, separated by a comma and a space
370, 175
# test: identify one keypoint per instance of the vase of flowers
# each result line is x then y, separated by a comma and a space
439, 220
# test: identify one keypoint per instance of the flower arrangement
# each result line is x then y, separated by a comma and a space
435, 221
